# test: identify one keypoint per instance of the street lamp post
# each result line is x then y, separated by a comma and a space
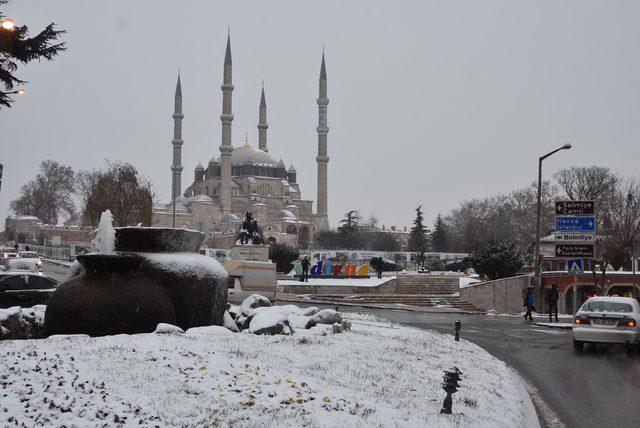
634, 232
538, 259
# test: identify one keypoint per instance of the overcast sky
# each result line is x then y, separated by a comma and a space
432, 102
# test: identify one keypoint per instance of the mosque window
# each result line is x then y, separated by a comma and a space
238, 207
265, 190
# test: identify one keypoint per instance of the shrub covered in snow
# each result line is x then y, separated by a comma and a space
22, 323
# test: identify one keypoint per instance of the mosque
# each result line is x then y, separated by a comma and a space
245, 179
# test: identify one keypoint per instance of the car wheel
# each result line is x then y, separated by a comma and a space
578, 345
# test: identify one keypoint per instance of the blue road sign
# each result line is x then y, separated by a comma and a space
576, 224
574, 266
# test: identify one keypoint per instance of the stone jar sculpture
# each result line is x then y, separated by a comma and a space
155, 276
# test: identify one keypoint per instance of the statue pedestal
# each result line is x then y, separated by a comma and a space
256, 253
250, 272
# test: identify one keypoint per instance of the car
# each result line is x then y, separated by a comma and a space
25, 289
19, 264
31, 255
607, 319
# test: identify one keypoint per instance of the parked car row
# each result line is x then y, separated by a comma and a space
20, 261
607, 319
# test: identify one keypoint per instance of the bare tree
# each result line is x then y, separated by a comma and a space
49, 195
119, 189
593, 183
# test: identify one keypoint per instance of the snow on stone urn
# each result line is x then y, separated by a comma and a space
155, 275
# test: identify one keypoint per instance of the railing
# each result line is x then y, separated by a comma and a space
60, 253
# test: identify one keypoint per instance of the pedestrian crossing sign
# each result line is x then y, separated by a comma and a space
574, 266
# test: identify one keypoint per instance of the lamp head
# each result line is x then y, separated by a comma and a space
566, 146
7, 24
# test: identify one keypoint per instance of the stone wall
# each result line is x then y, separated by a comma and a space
389, 287
502, 295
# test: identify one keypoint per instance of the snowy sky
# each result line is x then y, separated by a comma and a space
432, 102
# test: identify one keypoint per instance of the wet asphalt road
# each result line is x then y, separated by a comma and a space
54, 271
597, 388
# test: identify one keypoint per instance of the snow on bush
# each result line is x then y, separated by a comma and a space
22, 323
210, 330
164, 328
378, 374
254, 301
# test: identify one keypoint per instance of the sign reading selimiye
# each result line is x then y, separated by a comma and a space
575, 207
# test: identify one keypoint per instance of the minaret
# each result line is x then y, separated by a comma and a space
322, 159
176, 167
226, 118
262, 123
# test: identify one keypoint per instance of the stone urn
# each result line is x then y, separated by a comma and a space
155, 276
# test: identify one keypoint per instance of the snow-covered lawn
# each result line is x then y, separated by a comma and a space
377, 374
339, 282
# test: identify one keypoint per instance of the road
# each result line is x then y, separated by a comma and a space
597, 388
55, 271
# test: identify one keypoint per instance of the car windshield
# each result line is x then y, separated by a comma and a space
29, 255
605, 306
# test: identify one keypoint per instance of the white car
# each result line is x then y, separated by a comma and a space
32, 255
23, 265
607, 320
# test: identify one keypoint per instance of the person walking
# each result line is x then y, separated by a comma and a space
552, 301
528, 304
305, 263
379, 264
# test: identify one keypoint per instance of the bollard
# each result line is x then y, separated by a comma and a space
458, 325
450, 385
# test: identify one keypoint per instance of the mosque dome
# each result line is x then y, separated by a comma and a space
200, 198
251, 155
284, 215
231, 218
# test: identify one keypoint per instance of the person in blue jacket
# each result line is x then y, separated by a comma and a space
528, 304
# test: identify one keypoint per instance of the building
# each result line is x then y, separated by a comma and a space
246, 178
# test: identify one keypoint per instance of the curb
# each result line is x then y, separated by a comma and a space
366, 306
57, 262
561, 327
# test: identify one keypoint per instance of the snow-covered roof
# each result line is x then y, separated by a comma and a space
229, 217
284, 215
199, 198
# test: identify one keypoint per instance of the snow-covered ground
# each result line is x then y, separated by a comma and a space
377, 374
468, 281
339, 282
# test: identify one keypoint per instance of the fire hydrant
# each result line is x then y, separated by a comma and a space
450, 385
458, 326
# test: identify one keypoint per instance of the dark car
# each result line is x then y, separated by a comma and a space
25, 289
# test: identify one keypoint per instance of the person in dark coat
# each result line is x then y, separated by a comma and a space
305, 263
528, 304
27, 248
378, 266
552, 301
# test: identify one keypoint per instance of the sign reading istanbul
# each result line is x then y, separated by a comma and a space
575, 208
574, 250
575, 224
574, 237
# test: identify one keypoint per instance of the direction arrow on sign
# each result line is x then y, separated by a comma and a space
574, 250
575, 224
574, 237
575, 208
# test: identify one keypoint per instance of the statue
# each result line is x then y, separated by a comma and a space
250, 232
